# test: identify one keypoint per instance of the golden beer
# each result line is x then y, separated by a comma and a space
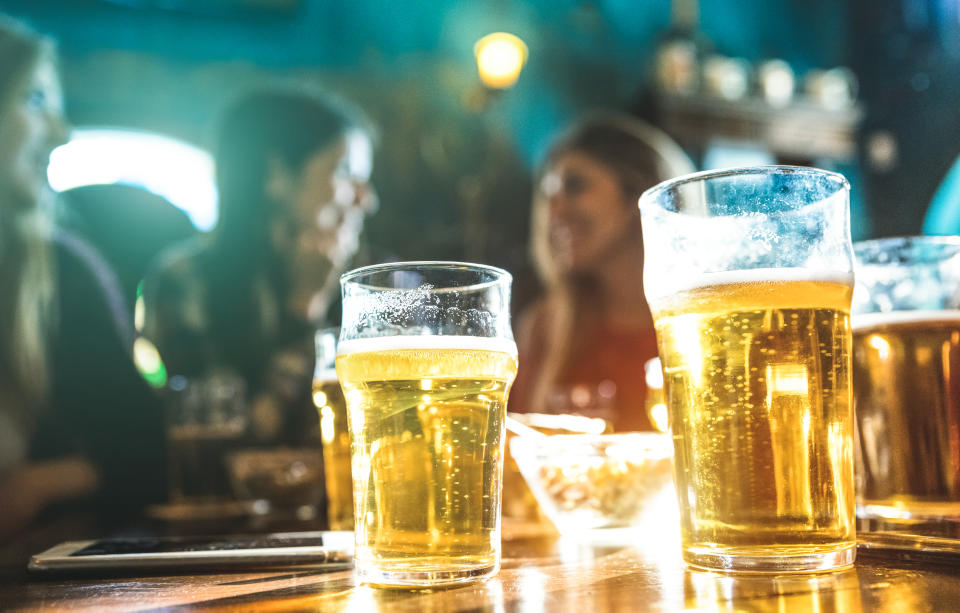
427, 420
335, 436
757, 383
906, 374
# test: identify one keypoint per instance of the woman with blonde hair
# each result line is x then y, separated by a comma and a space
75, 419
585, 342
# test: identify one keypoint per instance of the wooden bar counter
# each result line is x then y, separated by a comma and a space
541, 572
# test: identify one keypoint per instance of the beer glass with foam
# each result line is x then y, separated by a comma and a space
426, 358
749, 275
906, 375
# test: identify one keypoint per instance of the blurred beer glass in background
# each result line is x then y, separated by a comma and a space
334, 434
749, 276
655, 406
206, 422
906, 373
426, 358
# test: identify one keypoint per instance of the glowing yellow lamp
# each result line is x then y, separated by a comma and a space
500, 58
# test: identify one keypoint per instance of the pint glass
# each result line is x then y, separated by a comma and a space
749, 275
906, 374
426, 358
334, 432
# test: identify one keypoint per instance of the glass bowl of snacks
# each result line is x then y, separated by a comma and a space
589, 482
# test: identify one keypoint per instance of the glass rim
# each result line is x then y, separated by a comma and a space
501, 274
659, 443
881, 244
649, 196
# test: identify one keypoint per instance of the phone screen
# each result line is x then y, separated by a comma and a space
327, 550
120, 546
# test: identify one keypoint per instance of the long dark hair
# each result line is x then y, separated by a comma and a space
287, 125
26, 264
259, 129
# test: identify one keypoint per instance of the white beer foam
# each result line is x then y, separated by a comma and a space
763, 275
393, 343
865, 321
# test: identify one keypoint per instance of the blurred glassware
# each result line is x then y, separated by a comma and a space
906, 356
206, 421
334, 432
545, 423
777, 82
281, 482
677, 67
656, 405
834, 89
726, 77
911, 273
586, 482
518, 501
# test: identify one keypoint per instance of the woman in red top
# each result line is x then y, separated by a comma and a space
584, 344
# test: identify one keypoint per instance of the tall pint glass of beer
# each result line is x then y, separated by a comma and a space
749, 275
426, 358
334, 432
906, 374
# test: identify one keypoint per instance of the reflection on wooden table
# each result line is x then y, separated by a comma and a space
541, 572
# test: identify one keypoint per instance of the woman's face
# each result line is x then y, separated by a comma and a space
328, 199
325, 203
588, 218
30, 129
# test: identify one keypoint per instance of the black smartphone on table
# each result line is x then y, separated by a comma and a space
327, 550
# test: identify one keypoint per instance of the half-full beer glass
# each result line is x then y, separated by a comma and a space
906, 373
426, 358
749, 275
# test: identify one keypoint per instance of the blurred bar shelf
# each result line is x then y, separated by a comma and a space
802, 130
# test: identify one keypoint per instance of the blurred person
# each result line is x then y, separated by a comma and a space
75, 419
292, 172
584, 343
128, 225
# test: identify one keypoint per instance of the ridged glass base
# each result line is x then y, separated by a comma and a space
423, 578
782, 562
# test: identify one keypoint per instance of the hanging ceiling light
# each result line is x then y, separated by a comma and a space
500, 58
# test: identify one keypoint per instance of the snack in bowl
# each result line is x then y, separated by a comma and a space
584, 481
